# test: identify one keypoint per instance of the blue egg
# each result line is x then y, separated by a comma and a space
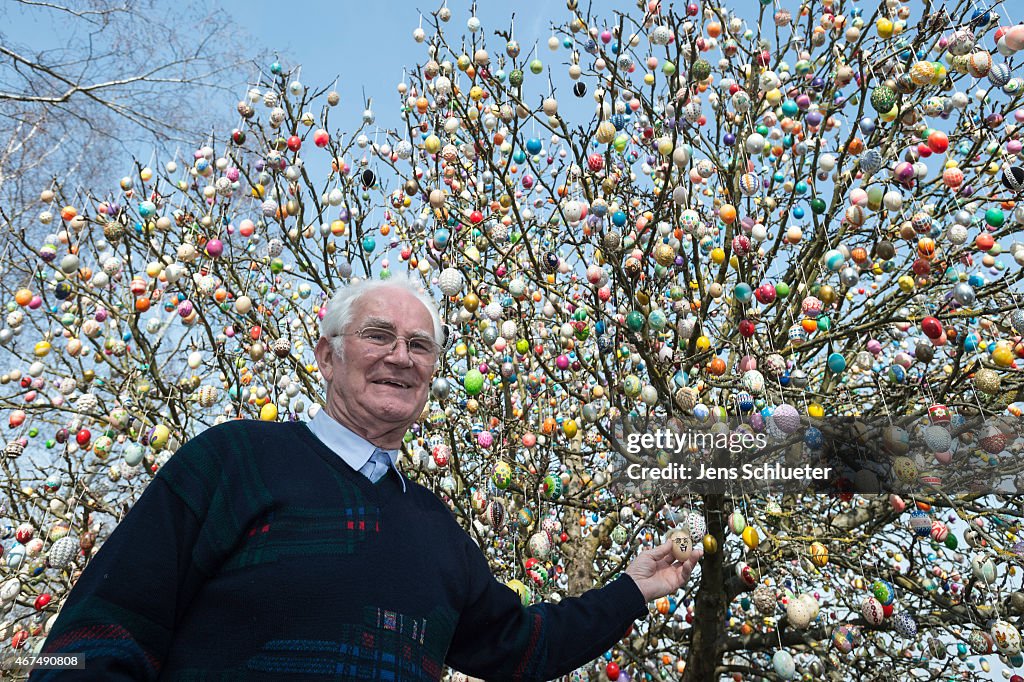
533, 145
897, 375
836, 362
441, 237
798, 212
619, 218
743, 292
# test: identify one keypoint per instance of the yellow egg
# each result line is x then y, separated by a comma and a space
268, 412
815, 411
819, 554
718, 255
158, 438
1002, 355
42, 349
750, 537
884, 27
703, 343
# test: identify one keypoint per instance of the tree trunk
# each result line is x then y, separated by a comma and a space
709, 610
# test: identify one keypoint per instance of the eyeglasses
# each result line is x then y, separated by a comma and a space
422, 350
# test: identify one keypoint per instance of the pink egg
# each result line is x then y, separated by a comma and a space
214, 248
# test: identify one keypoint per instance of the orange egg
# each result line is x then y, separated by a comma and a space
716, 367
809, 325
22, 297
727, 213
141, 304
714, 29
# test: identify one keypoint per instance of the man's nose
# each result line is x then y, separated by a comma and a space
400, 355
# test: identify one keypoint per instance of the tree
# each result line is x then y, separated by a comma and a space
69, 107
789, 228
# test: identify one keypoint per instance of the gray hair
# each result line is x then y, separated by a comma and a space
339, 308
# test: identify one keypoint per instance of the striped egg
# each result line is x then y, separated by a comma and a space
999, 74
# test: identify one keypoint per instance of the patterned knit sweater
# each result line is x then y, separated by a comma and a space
256, 553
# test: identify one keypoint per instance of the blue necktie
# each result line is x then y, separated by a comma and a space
377, 466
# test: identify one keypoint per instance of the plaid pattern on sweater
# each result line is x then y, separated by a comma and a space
257, 554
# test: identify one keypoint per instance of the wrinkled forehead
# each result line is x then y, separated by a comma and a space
393, 309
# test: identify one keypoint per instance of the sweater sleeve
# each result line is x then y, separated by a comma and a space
121, 613
498, 639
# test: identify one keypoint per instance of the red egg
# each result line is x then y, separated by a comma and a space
83, 436
612, 670
765, 293
42, 600
938, 142
931, 327
294, 142
321, 138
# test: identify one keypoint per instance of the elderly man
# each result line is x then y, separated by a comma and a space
279, 550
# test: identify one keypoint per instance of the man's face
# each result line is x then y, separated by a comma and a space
371, 390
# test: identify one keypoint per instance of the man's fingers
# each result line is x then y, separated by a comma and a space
661, 551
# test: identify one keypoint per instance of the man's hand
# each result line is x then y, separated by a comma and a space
657, 573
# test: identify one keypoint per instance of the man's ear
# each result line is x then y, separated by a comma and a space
325, 358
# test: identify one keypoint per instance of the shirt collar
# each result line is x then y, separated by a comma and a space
353, 449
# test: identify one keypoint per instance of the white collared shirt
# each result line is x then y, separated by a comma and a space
353, 449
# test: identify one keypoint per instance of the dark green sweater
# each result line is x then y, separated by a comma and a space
257, 553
